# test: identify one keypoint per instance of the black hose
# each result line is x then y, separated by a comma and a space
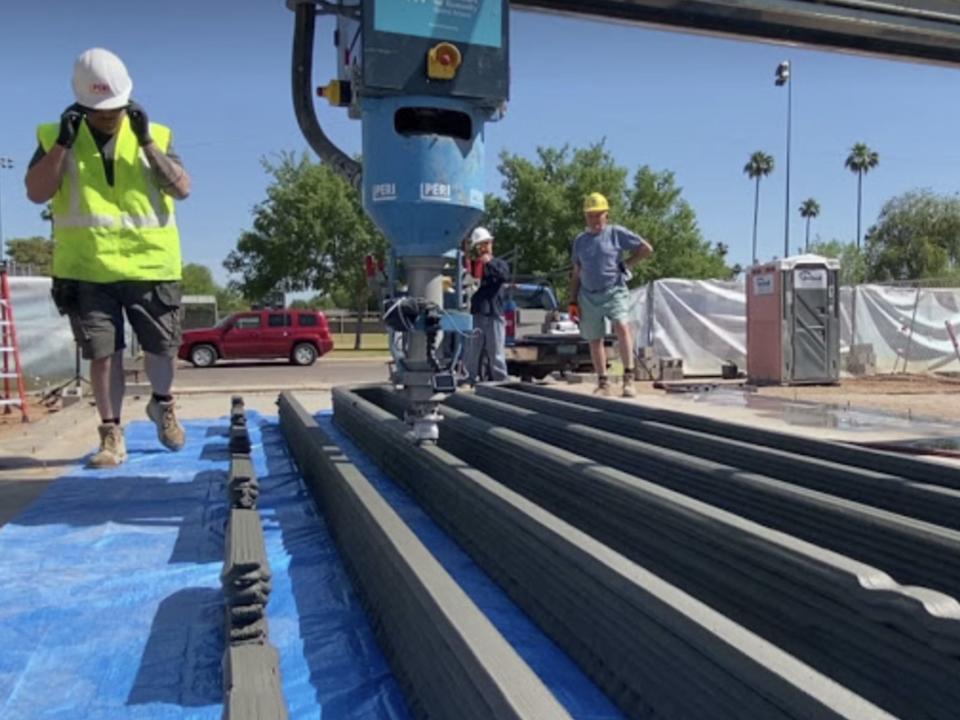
302, 71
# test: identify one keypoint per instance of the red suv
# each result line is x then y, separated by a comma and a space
300, 335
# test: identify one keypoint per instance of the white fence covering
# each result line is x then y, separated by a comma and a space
907, 327
705, 323
46, 342
702, 321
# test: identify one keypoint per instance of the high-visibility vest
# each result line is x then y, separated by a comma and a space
106, 233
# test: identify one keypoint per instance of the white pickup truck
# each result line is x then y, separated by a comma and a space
541, 338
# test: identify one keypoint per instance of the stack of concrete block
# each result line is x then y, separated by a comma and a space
646, 366
862, 360
670, 369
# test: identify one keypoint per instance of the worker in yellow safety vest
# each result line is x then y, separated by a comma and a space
112, 177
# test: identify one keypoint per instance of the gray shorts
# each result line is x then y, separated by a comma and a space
152, 309
596, 308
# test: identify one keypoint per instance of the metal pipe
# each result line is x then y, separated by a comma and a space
786, 210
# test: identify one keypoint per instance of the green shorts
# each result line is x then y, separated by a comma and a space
152, 309
613, 304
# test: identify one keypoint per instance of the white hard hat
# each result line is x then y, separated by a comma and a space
481, 234
101, 81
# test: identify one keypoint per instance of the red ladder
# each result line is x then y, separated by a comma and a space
10, 348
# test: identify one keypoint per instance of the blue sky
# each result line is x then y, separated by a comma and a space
218, 73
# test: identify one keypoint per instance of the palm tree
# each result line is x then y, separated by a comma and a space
861, 160
809, 209
760, 165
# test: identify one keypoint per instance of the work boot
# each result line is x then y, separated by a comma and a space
169, 431
603, 386
113, 449
629, 390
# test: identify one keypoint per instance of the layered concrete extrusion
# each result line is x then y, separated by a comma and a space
896, 643
885, 463
817, 466
242, 485
252, 689
251, 674
449, 659
652, 645
239, 440
246, 578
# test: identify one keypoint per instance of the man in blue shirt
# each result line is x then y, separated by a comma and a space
599, 287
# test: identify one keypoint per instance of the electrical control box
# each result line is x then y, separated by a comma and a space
450, 48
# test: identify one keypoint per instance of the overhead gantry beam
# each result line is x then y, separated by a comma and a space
923, 30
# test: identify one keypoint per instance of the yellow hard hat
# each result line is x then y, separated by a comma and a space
595, 202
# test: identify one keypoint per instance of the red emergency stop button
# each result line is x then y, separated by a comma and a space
443, 60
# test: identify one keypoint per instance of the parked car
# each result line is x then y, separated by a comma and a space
300, 335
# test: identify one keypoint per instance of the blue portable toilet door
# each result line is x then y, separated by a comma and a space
814, 323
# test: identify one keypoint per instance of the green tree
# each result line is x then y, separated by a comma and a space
309, 234
198, 280
853, 264
917, 235
809, 209
658, 212
35, 251
230, 300
541, 212
758, 166
860, 161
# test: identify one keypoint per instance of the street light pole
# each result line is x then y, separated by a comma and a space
5, 164
783, 78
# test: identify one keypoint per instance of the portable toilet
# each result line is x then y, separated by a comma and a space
793, 321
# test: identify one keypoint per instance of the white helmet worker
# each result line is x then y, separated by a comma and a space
101, 81
480, 235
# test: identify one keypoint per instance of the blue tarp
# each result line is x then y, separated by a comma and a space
110, 605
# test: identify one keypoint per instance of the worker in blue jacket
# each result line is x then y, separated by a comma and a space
486, 306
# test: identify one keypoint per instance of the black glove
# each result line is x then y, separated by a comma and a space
139, 123
69, 126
